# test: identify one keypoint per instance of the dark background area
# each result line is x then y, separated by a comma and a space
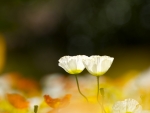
38, 33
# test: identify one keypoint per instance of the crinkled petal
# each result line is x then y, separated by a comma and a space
98, 65
72, 64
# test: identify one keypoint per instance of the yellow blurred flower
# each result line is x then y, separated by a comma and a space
72, 64
98, 65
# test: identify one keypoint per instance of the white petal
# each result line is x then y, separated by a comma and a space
131, 104
128, 105
72, 64
106, 63
98, 65
119, 107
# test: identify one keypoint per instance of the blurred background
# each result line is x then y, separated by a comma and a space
34, 34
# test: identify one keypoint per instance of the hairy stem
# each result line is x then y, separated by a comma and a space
79, 88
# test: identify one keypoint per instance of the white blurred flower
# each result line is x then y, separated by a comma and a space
54, 85
34, 101
98, 65
72, 64
139, 82
127, 106
142, 80
5, 85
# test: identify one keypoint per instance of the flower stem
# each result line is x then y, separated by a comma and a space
97, 88
79, 88
35, 108
103, 110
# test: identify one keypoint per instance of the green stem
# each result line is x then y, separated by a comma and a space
35, 108
79, 87
98, 96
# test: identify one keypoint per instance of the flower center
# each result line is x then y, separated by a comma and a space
75, 71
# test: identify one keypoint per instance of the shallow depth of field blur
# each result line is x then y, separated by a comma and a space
34, 34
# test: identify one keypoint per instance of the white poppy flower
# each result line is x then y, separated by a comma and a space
127, 106
98, 65
72, 64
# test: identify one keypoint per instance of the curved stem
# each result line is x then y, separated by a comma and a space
79, 87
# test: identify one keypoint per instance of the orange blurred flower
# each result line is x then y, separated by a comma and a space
57, 102
17, 101
27, 85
